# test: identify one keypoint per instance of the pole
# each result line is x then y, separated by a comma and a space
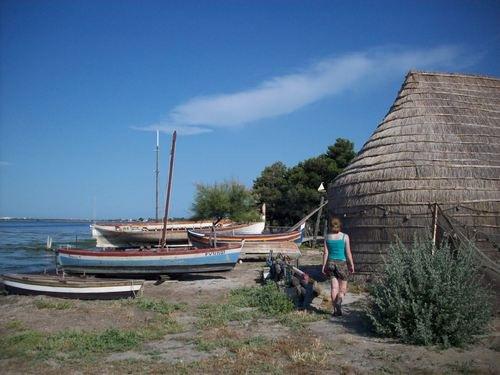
169, 189
434, 226
157, 170
318, 218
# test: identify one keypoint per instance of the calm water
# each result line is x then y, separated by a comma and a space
22, 243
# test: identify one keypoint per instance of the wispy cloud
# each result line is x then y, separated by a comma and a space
4, 163
288, 93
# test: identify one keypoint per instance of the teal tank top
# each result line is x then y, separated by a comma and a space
336, 248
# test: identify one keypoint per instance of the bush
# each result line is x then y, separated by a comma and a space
424, 298
268, 299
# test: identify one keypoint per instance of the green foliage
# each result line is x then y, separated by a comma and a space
268, 299
424, 298
271, 188
290, 193
219, 314
159, 306
225, 200
232, 344
245, 304
55, 305
74, 344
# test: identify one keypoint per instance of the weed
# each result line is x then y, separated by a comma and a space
79, 344
217, 315
159, 306
268, 299
297, 320
231, 344
53, 304
15, 325
466, 367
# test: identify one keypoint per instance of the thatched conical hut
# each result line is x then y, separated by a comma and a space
439, 144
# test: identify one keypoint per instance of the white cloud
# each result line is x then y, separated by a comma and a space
287, 93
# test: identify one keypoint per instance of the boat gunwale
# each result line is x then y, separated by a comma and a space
271, 237
150, 252
70, 282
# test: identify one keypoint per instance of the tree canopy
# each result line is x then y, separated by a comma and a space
229, 199
290, 193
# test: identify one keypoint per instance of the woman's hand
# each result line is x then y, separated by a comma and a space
351, 268
323, 270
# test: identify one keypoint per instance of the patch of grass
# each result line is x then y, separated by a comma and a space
268, 299
217, 315
159, 306
466, 367
53, 304
15, 325
79, 344
72, 344
231, 344
357, 288
297, 320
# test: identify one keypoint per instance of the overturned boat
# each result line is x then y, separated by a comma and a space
71, 287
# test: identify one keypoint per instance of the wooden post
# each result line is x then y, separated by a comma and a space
434, 226
318, 218
157, 171
169, 189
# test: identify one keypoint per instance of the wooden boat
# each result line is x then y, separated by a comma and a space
144, 234
203, 239
256, 245
156, 261
71, 287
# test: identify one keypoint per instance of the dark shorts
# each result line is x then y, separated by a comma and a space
338, 269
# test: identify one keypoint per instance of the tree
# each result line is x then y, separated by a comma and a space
290, 193
271, 188
229, 199
342, 152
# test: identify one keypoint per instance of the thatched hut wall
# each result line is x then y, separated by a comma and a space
439, 143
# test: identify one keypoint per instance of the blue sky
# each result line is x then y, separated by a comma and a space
246, 83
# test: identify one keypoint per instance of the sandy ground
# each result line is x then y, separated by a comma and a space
325, 345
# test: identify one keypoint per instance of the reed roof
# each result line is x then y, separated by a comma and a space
439, 143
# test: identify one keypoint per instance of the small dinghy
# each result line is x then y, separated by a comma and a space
71, 287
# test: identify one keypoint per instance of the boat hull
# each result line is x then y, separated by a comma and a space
136, 235
200, 239
71, 288
148, 262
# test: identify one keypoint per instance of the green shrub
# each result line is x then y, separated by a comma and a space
268, 299
424, 298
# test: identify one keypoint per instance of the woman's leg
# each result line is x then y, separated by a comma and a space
342, 289
335, 289
340, 296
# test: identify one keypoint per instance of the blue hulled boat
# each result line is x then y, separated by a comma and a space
149, 261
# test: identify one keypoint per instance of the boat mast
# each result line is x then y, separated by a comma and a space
157, 170
169, 188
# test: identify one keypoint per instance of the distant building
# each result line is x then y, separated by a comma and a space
439, 144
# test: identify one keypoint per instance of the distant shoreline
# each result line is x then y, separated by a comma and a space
45, 220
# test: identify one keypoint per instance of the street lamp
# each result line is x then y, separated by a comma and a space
322, 191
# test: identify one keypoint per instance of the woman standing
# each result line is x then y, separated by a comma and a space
337, 263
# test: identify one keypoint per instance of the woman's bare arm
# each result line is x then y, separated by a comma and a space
325, 256
348, 253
